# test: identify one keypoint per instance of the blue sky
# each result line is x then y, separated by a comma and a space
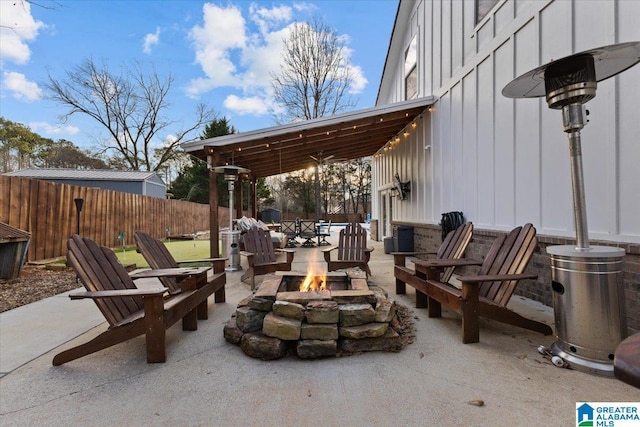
219, 53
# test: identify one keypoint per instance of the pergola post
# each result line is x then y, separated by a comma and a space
213, 158
238, 199
254, 197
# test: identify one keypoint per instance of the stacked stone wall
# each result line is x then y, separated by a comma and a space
267, 328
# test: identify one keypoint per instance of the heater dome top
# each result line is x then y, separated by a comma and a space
230, 170
608, 60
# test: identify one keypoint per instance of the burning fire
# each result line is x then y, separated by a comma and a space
315, 280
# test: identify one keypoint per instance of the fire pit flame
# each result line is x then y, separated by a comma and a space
314, 281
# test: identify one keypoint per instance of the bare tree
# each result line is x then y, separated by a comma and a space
315, 77
130, 106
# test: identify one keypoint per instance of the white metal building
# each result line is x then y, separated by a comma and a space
505, 162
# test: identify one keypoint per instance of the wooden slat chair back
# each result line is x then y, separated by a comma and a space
158, 256
352, 249
258, 242
261, 255
509, 254
352, 243
452, 248
99, 270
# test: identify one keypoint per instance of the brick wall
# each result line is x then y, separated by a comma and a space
427, 238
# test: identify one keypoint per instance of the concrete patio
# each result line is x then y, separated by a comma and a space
209, 382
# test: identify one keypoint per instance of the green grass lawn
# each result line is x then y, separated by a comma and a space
180, 249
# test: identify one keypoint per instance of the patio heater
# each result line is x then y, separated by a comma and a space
231, 238
587, 281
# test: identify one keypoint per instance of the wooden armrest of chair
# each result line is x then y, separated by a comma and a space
496, 277
288, 252
331, 248
170, 272
399, 258
119, 293
193, 261
411, 253
444, 263
217, 263
285, 251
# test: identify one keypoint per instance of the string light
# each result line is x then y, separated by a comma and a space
406, 132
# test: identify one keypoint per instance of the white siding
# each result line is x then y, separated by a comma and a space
505, 162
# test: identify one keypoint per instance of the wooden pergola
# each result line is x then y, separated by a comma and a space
287, 148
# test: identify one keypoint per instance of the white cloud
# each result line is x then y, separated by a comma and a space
305, 7
248, 105
150, 40
199, 86
17, 27
49, 129
261, 60
223, 30
22, 88
242, 54
358, 80
266, 19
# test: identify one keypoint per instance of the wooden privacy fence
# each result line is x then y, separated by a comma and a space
47, 210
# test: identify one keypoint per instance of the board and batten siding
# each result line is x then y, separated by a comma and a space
505, 162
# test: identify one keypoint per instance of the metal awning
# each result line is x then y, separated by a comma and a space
287, 148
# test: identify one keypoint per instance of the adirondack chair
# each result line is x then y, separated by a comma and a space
485, 294
159, 257
453, 247
261, 255
352, 249
130, 311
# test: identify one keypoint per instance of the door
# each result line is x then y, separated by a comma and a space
386, 209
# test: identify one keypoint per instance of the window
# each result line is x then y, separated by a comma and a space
483, 7
411, 70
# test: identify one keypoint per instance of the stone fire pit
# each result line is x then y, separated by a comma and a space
348, 317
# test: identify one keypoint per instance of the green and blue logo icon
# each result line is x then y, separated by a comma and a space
607, 414
585, 415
